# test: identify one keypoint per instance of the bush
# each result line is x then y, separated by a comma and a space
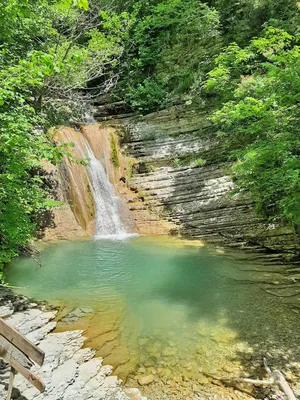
259, 120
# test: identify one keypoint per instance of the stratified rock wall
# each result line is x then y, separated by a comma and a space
137, 216
182, 175
71, 186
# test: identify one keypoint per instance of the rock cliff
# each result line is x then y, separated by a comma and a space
181, 174
173, 175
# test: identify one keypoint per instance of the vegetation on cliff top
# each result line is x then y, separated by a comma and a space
238, 59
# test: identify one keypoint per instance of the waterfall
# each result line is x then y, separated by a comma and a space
108, 221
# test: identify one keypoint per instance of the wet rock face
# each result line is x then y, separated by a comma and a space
183, 176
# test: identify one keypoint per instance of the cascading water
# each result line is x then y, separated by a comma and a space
108, 221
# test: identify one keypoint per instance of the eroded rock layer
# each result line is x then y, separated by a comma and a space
69, 372
73, 188
181, 174
74, 216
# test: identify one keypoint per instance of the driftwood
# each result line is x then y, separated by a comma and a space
275, 378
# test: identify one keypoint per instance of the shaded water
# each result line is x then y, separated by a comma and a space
162, 307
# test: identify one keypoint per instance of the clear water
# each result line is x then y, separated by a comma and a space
162, 306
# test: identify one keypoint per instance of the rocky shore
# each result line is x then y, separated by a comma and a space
69, 371
72, 372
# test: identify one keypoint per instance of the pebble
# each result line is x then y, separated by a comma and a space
134, 394
202, 380
145, 380
229, 369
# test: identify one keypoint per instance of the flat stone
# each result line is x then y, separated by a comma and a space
134, 394
69, 372
142, 341
202, 380
224, 337
230, 368
6, 311
196, 389
145, 380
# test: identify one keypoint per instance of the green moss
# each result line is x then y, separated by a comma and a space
191, 161
114, 152
130, 168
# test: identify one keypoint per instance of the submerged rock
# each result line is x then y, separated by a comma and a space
145, 380
202, 380
69, 371
169, 351
76, 314
134, 394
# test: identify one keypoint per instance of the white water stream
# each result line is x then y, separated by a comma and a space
108, 221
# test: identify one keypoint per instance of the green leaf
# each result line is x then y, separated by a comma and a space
82, 4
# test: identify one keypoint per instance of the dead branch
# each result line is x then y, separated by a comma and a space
13, 287
275, 378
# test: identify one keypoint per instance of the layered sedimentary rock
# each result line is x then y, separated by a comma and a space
71, 187
181, 174
69, 372
172, 173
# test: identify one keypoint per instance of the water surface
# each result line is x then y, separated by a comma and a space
161, 306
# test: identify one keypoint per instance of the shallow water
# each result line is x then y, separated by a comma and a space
161, 306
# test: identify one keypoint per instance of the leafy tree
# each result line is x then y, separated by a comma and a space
55, 55
23, 144
170, 46
259, 86
244, 19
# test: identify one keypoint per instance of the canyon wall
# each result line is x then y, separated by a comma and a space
72, 187
180, 174
173, 176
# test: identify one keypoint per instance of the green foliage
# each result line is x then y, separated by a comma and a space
146, 96
172, 43
29, 63
169, 48
23, 144
259, 86
244, 19
191, 161
114, 152
80, 3
198, 162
